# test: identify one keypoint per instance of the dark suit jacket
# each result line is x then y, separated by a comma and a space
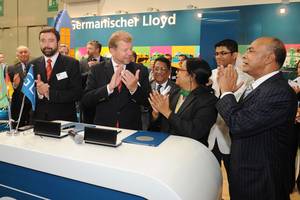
169, 83
62, 93
122, 107
194, 118
17, 97
261, 127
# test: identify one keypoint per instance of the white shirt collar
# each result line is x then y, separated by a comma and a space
98, 58
262, 79
163, 84
115, 64
53, 58
23, 66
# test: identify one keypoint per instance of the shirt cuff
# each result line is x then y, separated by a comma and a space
108, 91
40, 96
138, 85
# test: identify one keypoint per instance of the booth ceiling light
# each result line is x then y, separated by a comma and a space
190, 6
150, 9
121, 12
283, 9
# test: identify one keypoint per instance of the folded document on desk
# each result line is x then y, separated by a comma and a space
148, 138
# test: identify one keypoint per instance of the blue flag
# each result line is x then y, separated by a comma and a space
28, 87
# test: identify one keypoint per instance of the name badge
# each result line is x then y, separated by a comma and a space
61, 76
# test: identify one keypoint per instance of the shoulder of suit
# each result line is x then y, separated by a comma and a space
68, 58
38, 59
171, 83
102, 65
206, 91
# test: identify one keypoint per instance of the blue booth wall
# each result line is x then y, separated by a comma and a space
185, 28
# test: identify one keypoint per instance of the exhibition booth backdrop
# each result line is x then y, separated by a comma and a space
190, 32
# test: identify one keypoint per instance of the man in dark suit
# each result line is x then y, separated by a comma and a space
58, 80
161, 74
93, 51
17, 74
93, 48
260, 124
117, 87
161, 81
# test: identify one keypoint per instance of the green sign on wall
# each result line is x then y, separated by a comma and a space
52, 5
1, 8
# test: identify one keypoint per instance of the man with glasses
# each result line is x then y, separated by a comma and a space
161, 74
226, 53
160, 83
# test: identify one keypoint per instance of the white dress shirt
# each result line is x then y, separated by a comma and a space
220, 131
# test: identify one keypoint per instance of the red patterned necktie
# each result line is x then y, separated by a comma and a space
120, 87
120, 84
48, 68
119, 90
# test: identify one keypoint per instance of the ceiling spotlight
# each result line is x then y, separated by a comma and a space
282, 11
190, 6
121, 12
150, 9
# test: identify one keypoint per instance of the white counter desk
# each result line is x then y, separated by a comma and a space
34, 167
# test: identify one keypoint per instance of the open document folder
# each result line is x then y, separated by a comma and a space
148, 138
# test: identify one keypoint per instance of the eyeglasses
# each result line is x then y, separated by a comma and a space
222, 53
163, 69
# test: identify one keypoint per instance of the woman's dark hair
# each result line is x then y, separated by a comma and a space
200, 69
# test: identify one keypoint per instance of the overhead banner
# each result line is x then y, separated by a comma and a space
184, 31
147, 29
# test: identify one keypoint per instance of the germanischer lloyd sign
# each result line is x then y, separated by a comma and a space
122, 22
147, 29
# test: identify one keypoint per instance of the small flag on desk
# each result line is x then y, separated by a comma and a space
10, 89
28, 87
3, 90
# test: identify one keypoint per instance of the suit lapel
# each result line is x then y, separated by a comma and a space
174, 98
57, 68
108, 70
249, 96
42, 69
153, 86
261, 86
189, 99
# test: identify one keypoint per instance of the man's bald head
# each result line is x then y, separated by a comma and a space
275, 46
23, 54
